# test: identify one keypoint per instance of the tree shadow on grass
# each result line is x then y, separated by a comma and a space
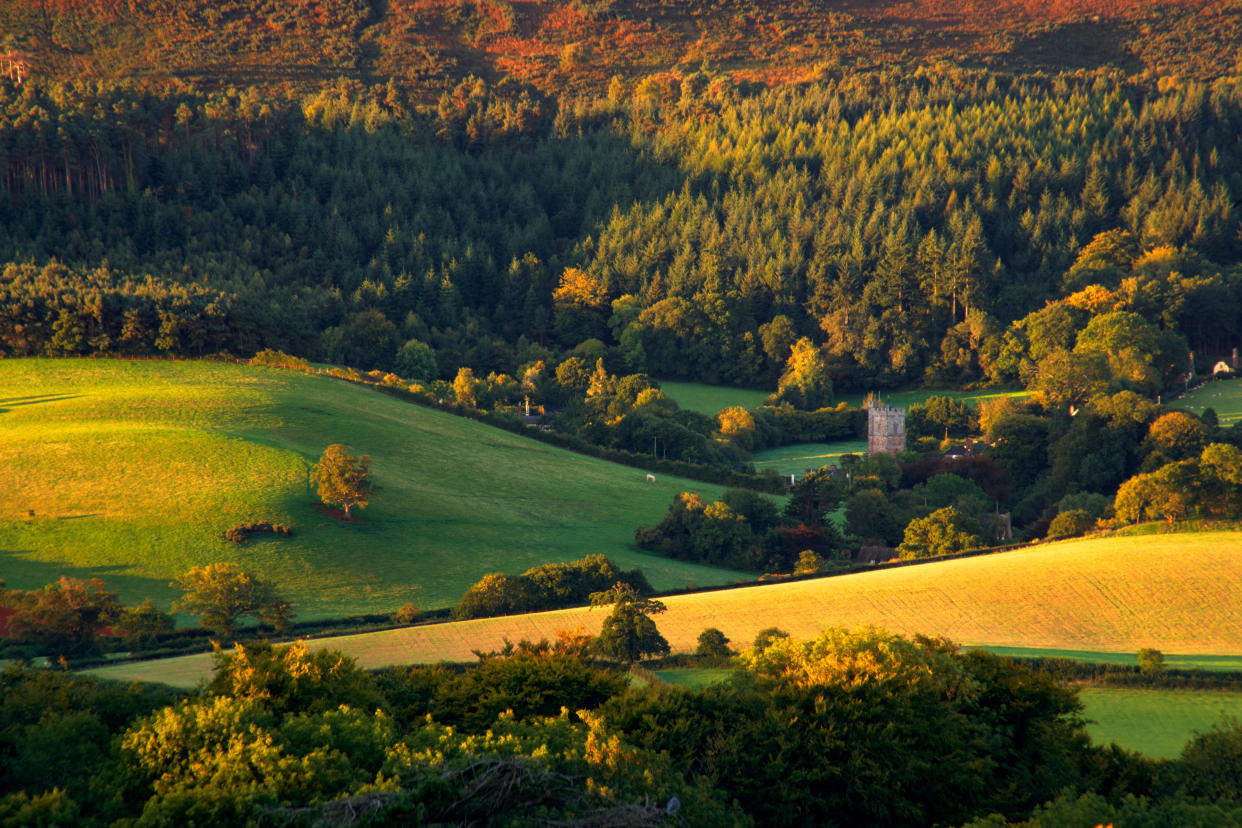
26, 573
9, 403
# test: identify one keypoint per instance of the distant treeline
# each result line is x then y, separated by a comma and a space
1131, 675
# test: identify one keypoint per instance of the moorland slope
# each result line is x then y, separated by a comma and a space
425, 47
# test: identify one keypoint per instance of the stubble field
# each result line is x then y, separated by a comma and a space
1181, 594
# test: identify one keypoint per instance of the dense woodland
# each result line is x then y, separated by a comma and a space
860, 728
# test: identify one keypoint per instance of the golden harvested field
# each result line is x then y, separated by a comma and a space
1178, 593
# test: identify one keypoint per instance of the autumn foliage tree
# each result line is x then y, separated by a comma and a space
343, 479
805, 383
64, 616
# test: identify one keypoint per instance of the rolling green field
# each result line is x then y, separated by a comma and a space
1224, 397
797, 458
131, 471
1171, 660
695, 677
1155, 722
1181, 594
709, 399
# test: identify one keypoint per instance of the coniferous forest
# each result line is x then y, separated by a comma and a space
492, 203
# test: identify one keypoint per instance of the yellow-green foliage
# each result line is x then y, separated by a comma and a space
842, 658
133, 471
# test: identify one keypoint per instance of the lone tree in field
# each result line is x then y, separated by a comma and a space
343, 480
224, 593
628, 633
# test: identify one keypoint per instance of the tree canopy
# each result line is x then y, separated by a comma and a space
343, 479
223, 593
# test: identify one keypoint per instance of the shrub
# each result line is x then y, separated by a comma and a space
242, 531
407, 613
809, 563
279, 359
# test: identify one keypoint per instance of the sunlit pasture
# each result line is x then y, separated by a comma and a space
131, 471
1224, 397
1157, 723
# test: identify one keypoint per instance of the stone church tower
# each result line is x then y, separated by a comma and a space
886, 430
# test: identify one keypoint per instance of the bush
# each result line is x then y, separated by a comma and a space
407, 613
809, 563
242, 531
279, 359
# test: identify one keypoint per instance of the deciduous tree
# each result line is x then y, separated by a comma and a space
343, 479
943, 532
223, 593
628, 633
63, 616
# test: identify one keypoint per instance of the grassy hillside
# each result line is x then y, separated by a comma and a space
1179, 593
131, 471
797, 458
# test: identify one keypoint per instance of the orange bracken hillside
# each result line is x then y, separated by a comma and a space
426, 47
